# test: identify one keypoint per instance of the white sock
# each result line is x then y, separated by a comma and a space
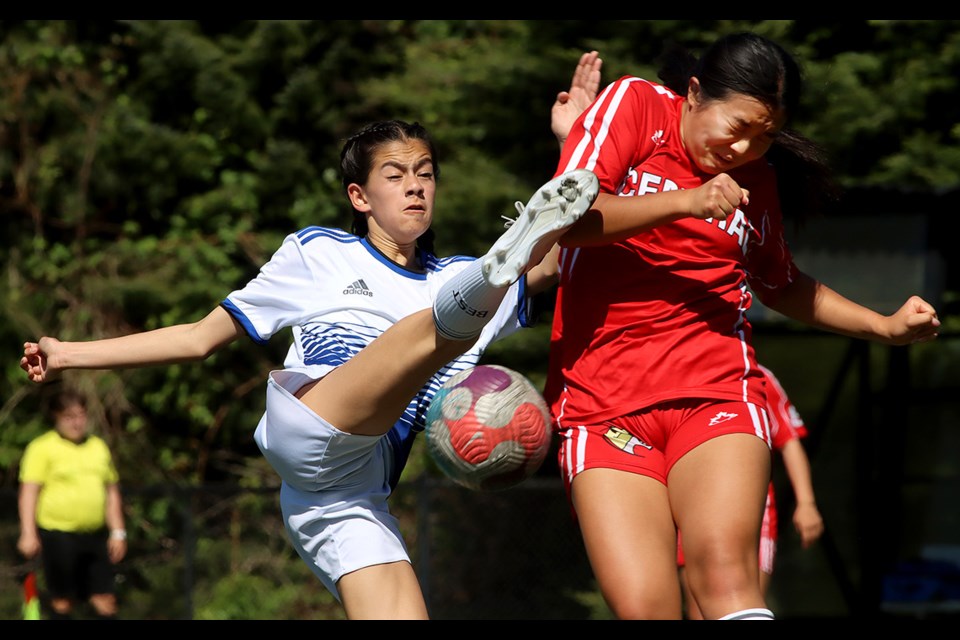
749, 614
466, 303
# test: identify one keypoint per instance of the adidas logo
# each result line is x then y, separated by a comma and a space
358, 288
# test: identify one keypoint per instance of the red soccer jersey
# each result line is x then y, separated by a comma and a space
786, 424
661, 315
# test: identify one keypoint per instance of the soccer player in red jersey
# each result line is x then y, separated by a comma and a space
653, 383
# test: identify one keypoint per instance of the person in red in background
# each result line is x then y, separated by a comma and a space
786, 430
653, 382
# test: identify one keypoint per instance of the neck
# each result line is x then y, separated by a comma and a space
403, 255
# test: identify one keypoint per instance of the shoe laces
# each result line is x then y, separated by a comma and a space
508, 221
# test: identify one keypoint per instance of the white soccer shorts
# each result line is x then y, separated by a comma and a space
335, 486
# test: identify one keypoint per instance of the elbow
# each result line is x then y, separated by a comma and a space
205, 353
587, 231
769, 300
797, 300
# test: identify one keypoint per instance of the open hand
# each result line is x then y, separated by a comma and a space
583, 90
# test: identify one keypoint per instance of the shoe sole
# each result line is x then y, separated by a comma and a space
552, 209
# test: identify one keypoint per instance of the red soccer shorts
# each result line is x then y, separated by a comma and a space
649, 442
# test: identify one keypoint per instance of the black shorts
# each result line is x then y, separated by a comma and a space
76, 565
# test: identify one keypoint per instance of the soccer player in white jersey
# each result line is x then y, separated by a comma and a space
378, 322
653, 381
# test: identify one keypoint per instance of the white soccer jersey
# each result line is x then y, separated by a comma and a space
337, 293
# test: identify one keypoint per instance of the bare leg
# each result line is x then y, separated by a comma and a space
366, 394
765, 583
719, 513
631, 541
383, 592
693, 610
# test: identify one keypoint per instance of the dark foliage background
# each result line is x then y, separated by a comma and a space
149, 167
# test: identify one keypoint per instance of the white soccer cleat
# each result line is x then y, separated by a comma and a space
552, 209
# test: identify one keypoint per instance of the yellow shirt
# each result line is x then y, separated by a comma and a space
74, 478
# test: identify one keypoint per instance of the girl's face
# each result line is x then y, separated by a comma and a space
721, 135
399, 194
71, 423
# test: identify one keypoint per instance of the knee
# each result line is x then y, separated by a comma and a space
720, 574
632, 604
644, 609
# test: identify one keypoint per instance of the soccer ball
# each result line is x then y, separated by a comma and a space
488, 428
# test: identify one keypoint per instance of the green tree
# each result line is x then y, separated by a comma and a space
149, 167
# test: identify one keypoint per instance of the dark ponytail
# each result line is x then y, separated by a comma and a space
751, 65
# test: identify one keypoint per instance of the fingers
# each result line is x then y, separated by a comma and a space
809, 532
593, 80
32, 362
571, 103
925, 333
919, 319
586, 77
581, 73
586, 80
720, 197
920, 305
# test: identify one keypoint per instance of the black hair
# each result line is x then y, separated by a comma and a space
64, 398
356, 163
752, 65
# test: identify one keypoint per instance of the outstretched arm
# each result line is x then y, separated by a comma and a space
812, 302
43, 359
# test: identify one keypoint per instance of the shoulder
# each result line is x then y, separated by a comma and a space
41, 445
772, 381
99, 450
96, 441
636, 101
638, 83
766, 372
314, 243
646, 90
314, 234
44, 439
435, 264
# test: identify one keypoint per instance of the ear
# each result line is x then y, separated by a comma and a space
693, 91
357, 197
